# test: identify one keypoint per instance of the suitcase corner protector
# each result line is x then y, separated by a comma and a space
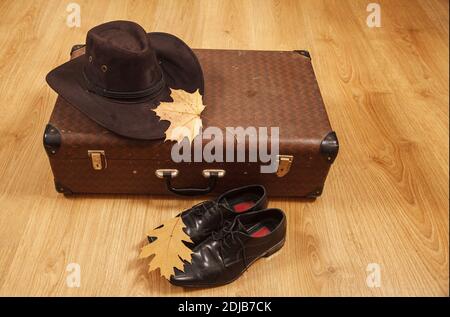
60, 188
315, 193
329, 147
51, 139
304, 53
76, 47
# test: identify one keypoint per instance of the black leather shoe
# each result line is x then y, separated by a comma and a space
224, 256
204, 218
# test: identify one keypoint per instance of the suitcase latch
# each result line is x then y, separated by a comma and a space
207, 173
98, 159
284, 164
167, 172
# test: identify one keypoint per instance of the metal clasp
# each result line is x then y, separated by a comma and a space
160, 173
98, 159
284, 164
207, 173
166, 171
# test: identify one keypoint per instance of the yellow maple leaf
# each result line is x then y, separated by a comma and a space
168, 247
183, 114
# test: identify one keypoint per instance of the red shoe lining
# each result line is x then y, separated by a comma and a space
243, 206
261, 232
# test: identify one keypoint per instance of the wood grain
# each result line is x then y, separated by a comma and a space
386, 200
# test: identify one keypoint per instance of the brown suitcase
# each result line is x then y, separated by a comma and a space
242, 89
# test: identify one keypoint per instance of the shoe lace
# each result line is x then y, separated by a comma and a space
227, 238
210, 208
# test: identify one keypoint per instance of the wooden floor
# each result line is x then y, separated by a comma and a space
386, 200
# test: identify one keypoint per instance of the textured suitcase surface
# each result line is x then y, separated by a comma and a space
242, 89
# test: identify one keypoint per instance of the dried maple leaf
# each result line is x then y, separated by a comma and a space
168, 247
183, 114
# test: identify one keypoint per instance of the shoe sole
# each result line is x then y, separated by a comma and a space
277, 247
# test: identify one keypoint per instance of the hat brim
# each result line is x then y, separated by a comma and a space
136, 119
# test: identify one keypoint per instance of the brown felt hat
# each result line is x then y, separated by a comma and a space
124, 74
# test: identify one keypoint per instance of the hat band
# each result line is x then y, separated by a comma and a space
152, 91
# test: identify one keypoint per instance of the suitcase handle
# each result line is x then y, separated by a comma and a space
211, 174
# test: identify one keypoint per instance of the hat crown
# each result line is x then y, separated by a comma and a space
120, 59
